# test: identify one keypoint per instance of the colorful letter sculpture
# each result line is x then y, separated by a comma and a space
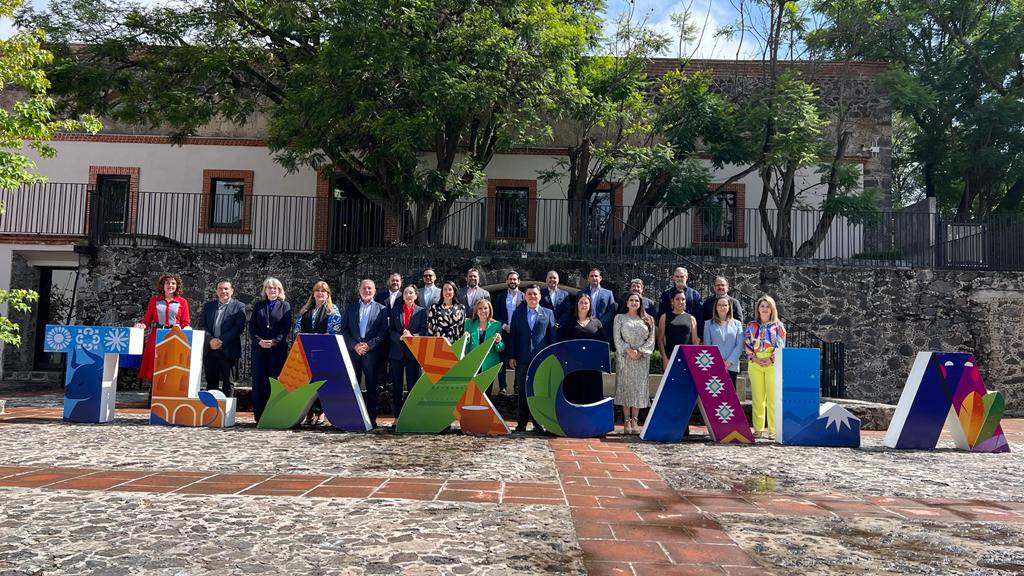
697, 375
947, 388
317, 365
177, 399
546, 397
801, 420
90, 385
437, 398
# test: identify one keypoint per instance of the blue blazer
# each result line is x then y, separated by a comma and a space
376, 326
498, 303
524, 343
417, 326
231, 326
562, 305
384, 299
603, 302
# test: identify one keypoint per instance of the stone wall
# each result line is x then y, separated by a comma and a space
884, 316
24, 277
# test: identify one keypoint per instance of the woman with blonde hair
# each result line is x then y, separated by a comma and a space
269, 325
761, 338
318, 316
479, 328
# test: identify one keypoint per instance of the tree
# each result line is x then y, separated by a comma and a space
27, 122
407, 100
958, 73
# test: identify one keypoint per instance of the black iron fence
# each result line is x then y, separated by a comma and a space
532, 226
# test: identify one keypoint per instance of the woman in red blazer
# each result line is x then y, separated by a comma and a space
168, 308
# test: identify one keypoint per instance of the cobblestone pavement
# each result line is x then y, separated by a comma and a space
872, 470
55, 532
129, 498
131, 442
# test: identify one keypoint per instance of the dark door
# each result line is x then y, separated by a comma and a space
113, 193
357, 222
56, 306
598, 214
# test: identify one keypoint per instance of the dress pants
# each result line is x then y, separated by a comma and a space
266, 364
523, 413
368, 368
219, 371
762, 393
410, 369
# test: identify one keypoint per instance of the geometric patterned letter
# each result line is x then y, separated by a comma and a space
90, 384
697, 375
946, 388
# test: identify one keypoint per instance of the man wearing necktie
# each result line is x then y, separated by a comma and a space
556, 299
364, 328
532, 330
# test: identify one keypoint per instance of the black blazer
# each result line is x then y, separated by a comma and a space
266, 326
498, 303
231, 326
562, 308
417, 326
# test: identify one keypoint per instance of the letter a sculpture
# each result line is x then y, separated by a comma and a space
697, 375
90, 382
947, 388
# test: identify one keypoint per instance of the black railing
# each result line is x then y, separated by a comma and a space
538, 226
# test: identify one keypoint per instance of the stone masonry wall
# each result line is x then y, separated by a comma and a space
24, 277
884, 316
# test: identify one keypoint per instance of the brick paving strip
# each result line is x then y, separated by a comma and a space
628, 520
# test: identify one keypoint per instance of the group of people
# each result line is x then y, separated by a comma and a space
521, 320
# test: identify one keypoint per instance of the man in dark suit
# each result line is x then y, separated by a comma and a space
602, 300
505, 303
393, 295
694, 305
224, 320
557, 300
533, 329
721, 291
364, 327
636, 286
471, 292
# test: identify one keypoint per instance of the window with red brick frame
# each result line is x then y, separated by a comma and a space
722, 219
226, 205
512, 209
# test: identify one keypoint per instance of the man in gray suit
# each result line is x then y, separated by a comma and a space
471, 292
429, 293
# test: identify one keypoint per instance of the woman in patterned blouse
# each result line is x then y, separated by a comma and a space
446, 318
761, 339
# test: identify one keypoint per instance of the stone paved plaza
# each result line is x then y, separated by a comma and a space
130, 498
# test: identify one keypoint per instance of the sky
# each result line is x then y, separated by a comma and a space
709, 15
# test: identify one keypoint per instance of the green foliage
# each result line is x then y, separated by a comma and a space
19, 300
27, 121
957, 76
359, 87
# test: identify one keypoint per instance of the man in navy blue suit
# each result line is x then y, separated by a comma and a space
224, 321
365, 327
505, 303
694, 306
557, 300
533, 329
602, 300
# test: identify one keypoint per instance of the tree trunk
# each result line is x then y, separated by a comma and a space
1012, 200
821, 229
